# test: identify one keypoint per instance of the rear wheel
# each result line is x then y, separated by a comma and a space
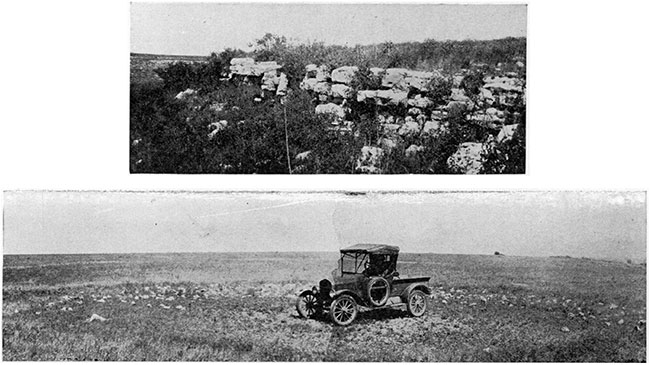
343, 310
417, 303
307, 305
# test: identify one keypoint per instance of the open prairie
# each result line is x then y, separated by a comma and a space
240, 307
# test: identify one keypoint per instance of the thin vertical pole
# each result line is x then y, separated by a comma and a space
286, 136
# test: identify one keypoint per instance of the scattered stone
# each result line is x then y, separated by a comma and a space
420, 102
430, 127
96, 317
415, 111
185, 94
409, 128
217, 127
387, 143
331, 108
303, 155
506, 133
413, 150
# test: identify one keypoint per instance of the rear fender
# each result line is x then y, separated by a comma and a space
415, 286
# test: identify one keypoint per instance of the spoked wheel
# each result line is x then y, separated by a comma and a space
307, 305
378, 291
417, 303
343, 310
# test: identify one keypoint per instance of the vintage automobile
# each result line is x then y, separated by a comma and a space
366, 276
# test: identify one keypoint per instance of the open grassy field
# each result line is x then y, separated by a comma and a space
239, 307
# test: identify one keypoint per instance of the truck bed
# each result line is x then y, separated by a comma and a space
402, 283
407, 280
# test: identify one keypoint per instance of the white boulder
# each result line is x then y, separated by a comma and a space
459, 95
363, 95
331, 108
344, 75
467, 159
506, 133
420, 102
393, 97
185, 94
394, 78
415, 111
413, 150
391, 128
409, 128
387, 143
283, 84
217, 127
430, 127
303, 156
341, 91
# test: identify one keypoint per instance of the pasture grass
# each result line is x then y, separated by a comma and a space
239, 307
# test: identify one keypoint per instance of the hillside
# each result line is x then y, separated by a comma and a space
419, 107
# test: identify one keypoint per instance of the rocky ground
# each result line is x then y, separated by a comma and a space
249, 320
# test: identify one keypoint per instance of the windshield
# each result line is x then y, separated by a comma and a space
352, 263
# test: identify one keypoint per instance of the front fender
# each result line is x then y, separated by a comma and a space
349, 292
306, 291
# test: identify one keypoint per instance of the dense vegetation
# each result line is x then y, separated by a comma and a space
264, 135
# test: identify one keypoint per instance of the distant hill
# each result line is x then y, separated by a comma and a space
143, 64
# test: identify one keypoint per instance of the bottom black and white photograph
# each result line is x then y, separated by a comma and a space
509, 276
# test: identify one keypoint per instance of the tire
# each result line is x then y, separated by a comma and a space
307, 305
375, 286
343, 310
416, 304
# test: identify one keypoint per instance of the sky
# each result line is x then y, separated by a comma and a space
608, 225
202, 28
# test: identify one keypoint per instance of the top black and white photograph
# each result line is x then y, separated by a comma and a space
272, 88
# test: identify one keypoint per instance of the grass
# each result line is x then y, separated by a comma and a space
239, 307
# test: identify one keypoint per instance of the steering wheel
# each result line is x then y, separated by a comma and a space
366, 265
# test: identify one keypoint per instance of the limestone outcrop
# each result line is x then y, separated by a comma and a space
271, 79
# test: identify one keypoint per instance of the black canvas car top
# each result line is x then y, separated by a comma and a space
371, 248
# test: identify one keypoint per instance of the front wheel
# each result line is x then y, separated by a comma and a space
307, 305
343, 310
417, 303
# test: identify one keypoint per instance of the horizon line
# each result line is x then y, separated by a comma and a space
330, 44
320, 252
